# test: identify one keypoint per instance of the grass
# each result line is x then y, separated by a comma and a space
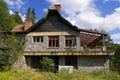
18, 74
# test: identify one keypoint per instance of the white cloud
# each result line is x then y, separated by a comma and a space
22, 17
11, 12
45, 9
116, 36
17, 4
112, 22
9, 2
85, 14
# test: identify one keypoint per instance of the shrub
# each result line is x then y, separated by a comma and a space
5, 58
47, 64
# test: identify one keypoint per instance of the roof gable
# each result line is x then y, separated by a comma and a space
47, 19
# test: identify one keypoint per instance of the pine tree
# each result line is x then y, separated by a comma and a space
33, 16
30, 15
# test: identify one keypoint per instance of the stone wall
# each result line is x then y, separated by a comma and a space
91, 63
43, 46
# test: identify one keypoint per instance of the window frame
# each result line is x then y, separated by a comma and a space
37, 39
53, 41
70, 41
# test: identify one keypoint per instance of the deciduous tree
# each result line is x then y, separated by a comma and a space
6, 20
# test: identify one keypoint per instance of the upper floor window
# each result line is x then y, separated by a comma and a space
38, 39
70, 41
53, 41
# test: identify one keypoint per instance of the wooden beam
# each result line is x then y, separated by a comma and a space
49, 33
77, 53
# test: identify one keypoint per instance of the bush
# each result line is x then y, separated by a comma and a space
5, 58
47, 64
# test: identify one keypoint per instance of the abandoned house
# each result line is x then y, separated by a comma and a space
69, 47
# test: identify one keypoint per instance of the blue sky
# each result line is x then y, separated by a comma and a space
86, 14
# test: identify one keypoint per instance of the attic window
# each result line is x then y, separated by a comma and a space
38, 39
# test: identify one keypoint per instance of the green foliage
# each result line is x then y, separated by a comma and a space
6, 20
17, 18
5, 60
30, 15
18, 74
16, 46
47, 64
116, 59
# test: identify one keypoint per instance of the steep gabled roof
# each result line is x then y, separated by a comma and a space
51, 11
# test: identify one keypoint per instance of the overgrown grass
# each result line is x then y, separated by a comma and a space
18, 74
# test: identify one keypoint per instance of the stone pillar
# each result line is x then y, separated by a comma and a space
78, 42
62, 43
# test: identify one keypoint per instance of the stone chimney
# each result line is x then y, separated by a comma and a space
56, 7
27, 24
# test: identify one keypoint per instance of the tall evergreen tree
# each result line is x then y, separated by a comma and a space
30, 15
33, 15
17, 18
6, 20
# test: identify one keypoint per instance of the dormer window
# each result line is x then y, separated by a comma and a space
38, 39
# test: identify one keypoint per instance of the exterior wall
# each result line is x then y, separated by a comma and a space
43, 46
91, 63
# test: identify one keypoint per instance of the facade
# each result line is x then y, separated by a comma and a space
55, 37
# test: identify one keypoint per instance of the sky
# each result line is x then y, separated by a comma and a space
86, 14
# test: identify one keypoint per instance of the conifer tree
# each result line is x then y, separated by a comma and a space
30, 15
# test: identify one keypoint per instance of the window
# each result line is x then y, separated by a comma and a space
38, 39
70, 41
53, 41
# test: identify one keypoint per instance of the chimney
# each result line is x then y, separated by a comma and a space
27, 24
56, 7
